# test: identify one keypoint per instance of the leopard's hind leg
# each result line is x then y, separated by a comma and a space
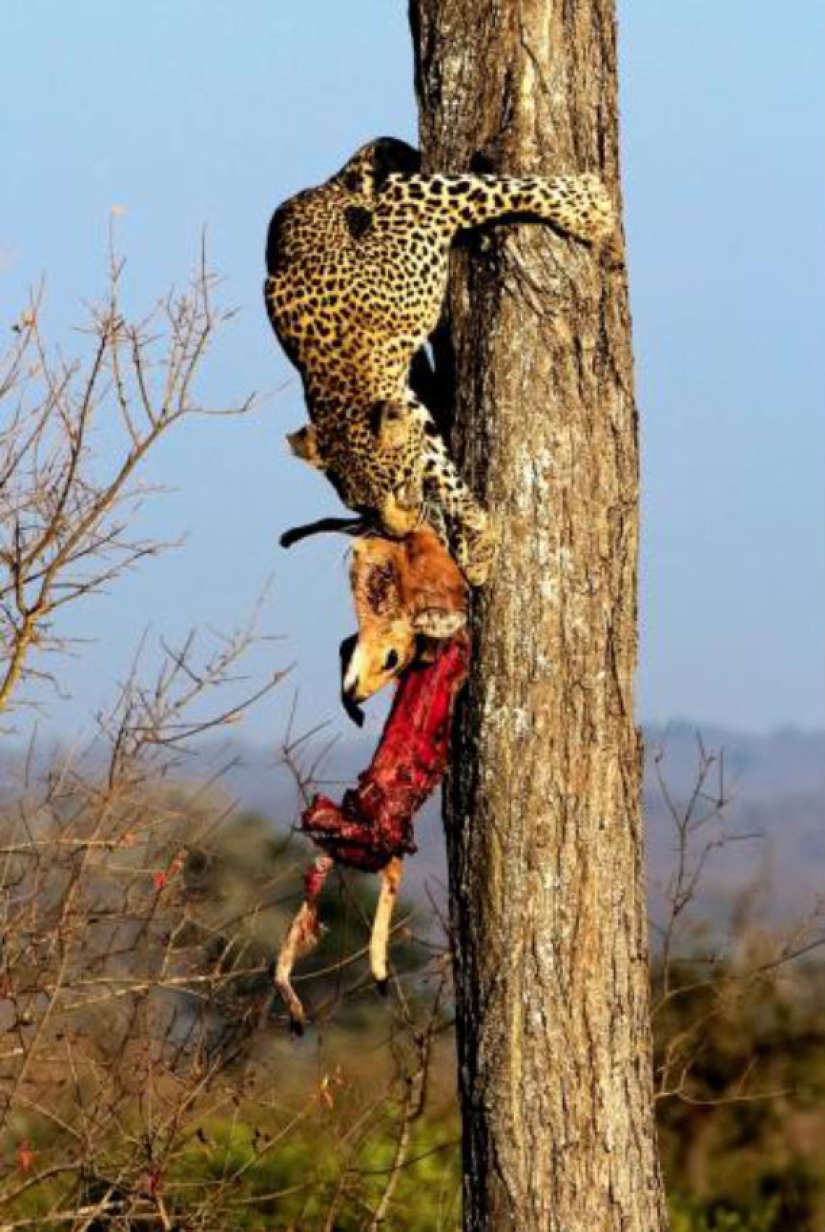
579, 205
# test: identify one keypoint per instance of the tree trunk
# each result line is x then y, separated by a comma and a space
543, 805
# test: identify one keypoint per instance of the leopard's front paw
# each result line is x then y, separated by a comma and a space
475, 549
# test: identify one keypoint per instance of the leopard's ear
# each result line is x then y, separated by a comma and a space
304, 444
391, 156
439, 622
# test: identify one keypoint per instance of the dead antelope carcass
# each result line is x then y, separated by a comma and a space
372, 828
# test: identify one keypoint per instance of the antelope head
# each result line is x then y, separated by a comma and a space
405, 591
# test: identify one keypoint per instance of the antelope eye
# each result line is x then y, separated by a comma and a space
391, 662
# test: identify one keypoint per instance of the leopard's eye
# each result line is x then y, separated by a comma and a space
391, 662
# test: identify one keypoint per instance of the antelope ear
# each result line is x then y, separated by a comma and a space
439, 622
374, 579
345, 652
304, 444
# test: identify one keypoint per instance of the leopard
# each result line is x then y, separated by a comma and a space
357, 272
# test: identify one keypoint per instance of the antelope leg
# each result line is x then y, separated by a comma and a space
379, 940
301, 938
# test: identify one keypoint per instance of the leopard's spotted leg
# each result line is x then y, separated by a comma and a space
473, 539
578, 204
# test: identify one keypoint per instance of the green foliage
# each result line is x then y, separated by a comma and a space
296, 1183
687, 1216
743, 1135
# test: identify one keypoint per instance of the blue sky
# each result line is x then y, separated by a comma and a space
195, 113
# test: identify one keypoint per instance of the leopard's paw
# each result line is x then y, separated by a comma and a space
475, 548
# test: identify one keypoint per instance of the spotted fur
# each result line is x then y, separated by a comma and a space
357, 275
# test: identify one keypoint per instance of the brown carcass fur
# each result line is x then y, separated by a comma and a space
372, 829
408, 593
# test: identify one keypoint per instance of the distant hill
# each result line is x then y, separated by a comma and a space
776, 785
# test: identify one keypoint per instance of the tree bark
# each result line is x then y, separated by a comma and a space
543, 804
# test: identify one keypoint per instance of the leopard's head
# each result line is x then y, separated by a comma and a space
374, 459
364, 174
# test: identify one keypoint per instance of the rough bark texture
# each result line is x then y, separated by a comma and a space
543, 809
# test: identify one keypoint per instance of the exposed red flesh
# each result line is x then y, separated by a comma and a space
372, 828
374, 821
